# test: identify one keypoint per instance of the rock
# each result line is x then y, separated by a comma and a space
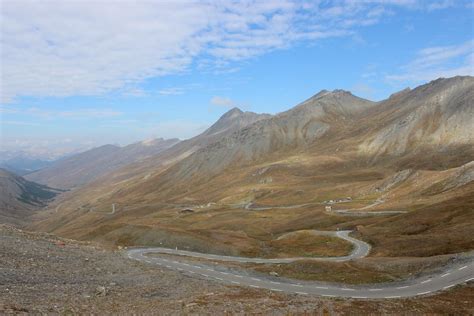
273, 273
101, 291
191, 304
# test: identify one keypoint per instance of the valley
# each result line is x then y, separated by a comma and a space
336, 192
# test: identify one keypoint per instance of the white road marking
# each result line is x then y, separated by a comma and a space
321, 287
137, 255
204, 275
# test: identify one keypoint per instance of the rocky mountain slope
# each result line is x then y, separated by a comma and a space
232, 121
19, 198
407, 154
436, 115
146, 169
79, 169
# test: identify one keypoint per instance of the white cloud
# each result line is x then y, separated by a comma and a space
171, 91
19, 123
182, 129
222, 101
42, 148
440, 61
363, 90
64, 48
76, 114
438, 5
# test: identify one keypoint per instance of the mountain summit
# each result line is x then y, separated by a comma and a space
234, 119
414, 146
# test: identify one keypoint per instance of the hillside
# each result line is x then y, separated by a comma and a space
407, 159
230, 122
24, 165
20, 198
82, 168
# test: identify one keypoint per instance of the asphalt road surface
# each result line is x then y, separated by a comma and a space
457, 274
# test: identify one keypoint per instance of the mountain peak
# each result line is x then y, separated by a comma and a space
234, 118
334, 93
341, 92
234, 112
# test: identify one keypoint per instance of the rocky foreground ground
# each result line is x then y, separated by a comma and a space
41, 273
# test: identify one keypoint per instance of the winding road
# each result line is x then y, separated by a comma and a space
457, 274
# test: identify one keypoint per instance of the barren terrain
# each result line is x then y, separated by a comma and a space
41, 273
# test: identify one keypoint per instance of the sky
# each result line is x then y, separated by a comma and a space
79, 74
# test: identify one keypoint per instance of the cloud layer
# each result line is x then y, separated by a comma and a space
441, 61
62, 48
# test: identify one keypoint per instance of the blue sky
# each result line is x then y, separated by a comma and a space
81, 74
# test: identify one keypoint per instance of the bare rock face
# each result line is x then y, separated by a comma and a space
394, 180
101, 291
438, 114
233, 120
296, 128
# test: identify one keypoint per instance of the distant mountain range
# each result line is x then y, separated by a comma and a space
411, 152
79, 169
24, 165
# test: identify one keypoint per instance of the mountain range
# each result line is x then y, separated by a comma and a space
250, 177
79, 169
19, 198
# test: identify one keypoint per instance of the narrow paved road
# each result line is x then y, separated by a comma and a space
457, 274
360, 250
